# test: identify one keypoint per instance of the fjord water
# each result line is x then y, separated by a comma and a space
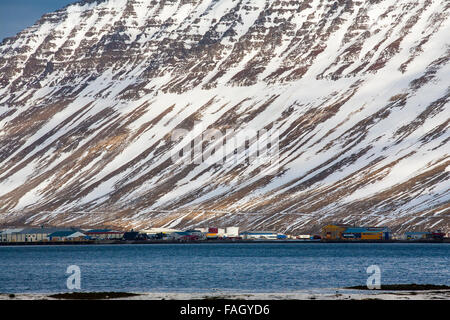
259, 267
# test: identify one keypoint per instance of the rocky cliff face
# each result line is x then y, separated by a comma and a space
356, 92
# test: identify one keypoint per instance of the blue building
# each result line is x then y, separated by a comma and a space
367, 233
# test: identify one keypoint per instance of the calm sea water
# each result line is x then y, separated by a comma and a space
227, 267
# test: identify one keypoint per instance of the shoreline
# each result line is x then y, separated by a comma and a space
118, 242
339, 294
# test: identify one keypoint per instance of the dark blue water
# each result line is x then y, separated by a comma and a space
228, 267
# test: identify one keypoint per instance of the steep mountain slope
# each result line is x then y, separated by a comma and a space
357, 93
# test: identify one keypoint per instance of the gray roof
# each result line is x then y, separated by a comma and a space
43, 230
10, 231
64, 233
417, 232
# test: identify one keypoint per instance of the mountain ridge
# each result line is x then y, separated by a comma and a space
356, 91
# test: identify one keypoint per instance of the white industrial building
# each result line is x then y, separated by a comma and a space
232, 232
153, 231
68, 235
26, 235
268, 235
104, 234
8, 235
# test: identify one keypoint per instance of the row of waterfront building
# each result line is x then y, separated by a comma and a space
350, 232
232, 233
331, 232
56, 234
43, 234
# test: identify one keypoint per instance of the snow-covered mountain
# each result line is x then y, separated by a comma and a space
356, 92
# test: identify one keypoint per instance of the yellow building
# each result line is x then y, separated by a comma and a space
372, 236
345, 232
333, 231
